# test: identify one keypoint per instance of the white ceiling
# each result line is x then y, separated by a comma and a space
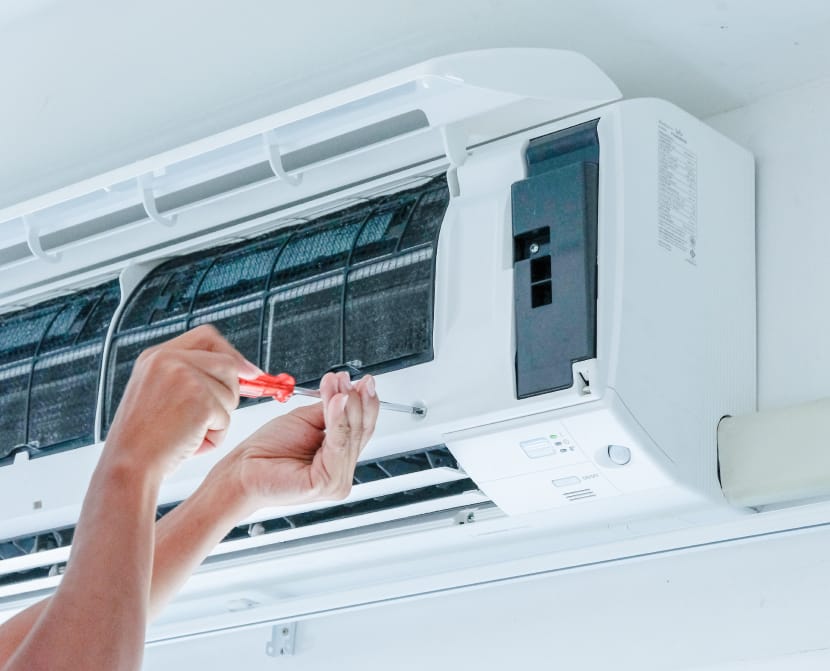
118, 80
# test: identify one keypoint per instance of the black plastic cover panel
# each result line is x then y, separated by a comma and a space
555, 259
50, 360
353, 287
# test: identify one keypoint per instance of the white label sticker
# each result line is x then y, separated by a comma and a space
677, 193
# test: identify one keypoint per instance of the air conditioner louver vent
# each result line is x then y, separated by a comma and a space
352, 286
50, 358
438, 457
39, 543
385, 502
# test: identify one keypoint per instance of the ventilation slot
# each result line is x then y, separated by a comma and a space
579, 495
355, 509
354, 286
50, 358
437, 460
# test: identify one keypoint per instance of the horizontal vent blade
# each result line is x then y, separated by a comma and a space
402, 505
393, 487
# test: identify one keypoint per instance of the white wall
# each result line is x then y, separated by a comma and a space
91, 85
790, 137
744, 607
751, 607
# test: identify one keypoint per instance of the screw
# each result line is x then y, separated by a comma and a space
534, 247
285, 631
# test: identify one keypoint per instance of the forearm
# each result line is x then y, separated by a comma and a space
17, 628
183, 538
186, 535
97, 617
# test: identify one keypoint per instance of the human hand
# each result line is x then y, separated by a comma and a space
178, 400
310, 453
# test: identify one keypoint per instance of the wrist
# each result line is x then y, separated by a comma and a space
122, 468
127, 454
224, 486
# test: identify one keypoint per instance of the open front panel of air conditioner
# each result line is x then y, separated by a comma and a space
553, 292
353, 287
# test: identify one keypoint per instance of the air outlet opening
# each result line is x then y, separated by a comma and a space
400, 485
579, 494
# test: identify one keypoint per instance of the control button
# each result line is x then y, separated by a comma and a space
619, 454
567, 482
537, 447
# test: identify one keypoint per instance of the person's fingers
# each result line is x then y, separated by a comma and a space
346, 432
221, 368
344, 382
186, 372
213, 417
313, 414
354, 414
371, 407
206, 337
337, 422
331, 386
211, 414
213, 439
226, 395
334, 456
328, 388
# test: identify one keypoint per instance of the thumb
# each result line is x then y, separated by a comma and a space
313, 414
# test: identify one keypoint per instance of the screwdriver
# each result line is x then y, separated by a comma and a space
283, 386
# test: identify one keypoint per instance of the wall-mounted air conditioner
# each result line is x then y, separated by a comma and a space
566, 280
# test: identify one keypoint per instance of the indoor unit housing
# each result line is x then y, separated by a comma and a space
565, 279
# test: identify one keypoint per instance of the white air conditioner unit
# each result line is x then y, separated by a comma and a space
566, 280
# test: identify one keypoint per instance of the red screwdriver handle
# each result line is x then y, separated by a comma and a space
281, 386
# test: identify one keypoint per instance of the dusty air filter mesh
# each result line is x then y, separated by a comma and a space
50, 358
355, 286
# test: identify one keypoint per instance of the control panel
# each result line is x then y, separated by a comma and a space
549, 461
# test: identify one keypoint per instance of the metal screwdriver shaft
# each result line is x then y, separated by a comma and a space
282, 387
384, 405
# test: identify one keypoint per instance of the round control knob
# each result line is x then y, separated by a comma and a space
619, 454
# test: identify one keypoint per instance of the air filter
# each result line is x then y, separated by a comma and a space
50, 358
351, 287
